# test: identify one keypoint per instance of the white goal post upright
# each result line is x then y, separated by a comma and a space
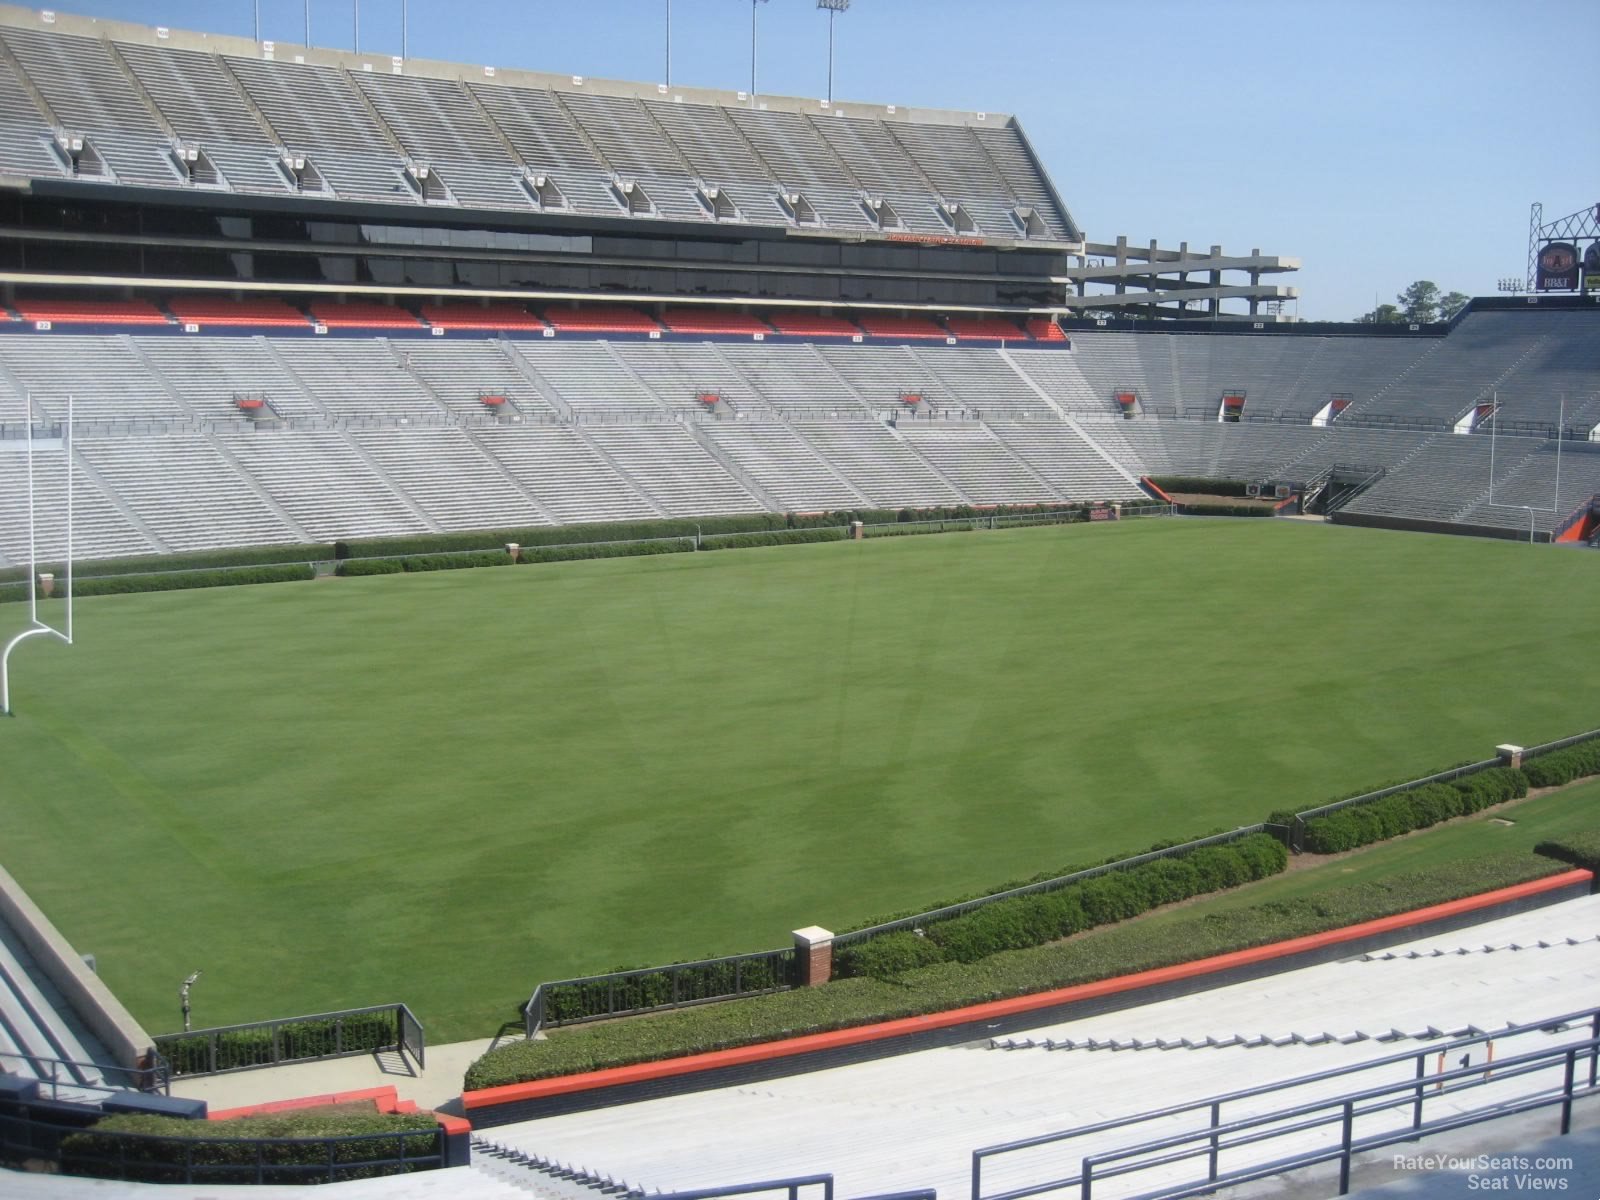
36, 627
1555, 495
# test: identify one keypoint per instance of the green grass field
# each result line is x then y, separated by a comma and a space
445, 788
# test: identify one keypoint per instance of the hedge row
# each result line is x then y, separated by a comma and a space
242, 556
637, 531
1101, 954
539, 554
1579, 849
1226, 510
1199, 485
424, 562
776, 537
1415, 808
1563, 766
181, 580
190, 1054
153, 1149
1048, 916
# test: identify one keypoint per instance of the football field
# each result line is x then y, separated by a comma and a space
444, 788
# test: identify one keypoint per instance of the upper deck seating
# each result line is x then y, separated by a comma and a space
361, 314
91, 312
484, 316
601, 318
707, 320
219, 310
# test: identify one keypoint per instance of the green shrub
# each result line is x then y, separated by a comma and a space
1579, 849
456, 562
1563, 766
190, 1054
1414, 808
153, 1149
152, 564
181, 580
369, 566
1099, 954
543, 554
776, 537
1203, 509
888, 956
1199, 485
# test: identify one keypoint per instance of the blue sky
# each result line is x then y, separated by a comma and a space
1379, 141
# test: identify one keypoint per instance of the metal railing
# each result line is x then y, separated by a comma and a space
789, 1187
222, 1049
652, 989
1298, 826
1047, 885
72, 1078
1212, 1137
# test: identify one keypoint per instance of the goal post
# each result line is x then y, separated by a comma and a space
36, 627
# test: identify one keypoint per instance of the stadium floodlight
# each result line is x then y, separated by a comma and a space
833, 8
669, 44
36, 627
754, 4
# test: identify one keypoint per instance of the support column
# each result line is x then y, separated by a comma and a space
1510, 755
814, 949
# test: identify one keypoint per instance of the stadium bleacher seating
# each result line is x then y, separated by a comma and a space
599, 318
902, 327
809, 325
695, 320
480, 316
216, 310
987, 329
357, 314
92, 312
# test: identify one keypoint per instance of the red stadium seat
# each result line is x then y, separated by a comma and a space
994, 329
360, 314
609, 318
903, 327
1045, 330
697, 320
812, 325
219, 310
486, 316
92, 312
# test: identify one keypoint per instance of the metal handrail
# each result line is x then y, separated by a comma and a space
405, 1023
1215, 1102
1215, 1139
155, 1077
791, 1185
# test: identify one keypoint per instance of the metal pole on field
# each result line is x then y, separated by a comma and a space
35, 626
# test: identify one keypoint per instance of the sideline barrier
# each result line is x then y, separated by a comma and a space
547, 1097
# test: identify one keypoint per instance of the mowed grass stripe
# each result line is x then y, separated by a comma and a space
446, 788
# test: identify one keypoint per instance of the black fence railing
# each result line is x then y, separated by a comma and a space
257, 1044
65, 1078
1297, 828
935, 915
651, 989
153, 1158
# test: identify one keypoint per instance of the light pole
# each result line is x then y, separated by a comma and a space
183, 995
669, 43
833, 9
308, 22
753, 4
405, 29
358, 26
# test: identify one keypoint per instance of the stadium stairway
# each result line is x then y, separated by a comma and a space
539, 1176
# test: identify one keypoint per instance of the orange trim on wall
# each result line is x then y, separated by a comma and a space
860, 1034
1145, 479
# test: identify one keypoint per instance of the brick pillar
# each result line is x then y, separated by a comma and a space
857, 531
514, 551
814, 949
47, 584
1510, 755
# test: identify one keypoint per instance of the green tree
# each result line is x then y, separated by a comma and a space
1384, 314
1451, 304
1420, 302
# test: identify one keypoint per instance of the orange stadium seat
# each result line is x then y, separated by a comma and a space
219, 310
485, 316
903, 327
695, 320
808, 325
359, 314
92, 312
606, 318
988, 328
